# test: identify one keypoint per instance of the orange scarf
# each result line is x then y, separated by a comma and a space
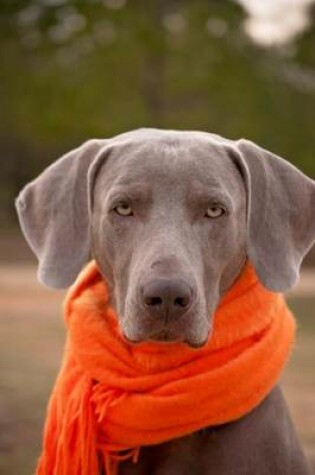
112, 396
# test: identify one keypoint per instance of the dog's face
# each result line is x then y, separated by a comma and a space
170, 218
169, 235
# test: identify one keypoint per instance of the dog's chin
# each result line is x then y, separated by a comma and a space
167, 337
163, 337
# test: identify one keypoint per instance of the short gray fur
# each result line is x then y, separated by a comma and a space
170, 179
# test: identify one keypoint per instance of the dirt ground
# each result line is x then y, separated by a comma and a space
31, 342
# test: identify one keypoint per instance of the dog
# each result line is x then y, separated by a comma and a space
171, 217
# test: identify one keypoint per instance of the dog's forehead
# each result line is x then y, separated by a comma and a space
171, 155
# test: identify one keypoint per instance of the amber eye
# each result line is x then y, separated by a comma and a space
215, 212
123, 209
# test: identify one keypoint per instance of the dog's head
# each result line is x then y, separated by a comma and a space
170, 218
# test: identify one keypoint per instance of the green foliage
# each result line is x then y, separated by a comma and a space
71, 70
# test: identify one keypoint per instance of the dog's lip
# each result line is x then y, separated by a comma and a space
163, 336
196, 346
167, 335
167, 339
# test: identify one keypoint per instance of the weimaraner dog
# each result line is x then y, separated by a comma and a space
137, 203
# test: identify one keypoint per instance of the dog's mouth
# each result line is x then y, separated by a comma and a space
164, 335
193, 329
167, 336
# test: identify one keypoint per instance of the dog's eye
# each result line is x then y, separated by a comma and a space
215, 212
123, 209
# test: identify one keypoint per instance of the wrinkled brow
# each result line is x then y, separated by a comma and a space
137, 191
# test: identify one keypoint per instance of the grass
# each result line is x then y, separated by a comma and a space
31, 343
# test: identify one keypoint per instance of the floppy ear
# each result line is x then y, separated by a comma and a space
53, 211
280, 215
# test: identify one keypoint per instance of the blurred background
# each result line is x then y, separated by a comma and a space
72, 70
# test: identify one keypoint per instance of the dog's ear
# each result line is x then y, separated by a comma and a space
280, 215
53, 211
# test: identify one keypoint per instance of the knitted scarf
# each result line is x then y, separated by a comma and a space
112, 397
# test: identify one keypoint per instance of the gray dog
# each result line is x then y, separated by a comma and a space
171, 218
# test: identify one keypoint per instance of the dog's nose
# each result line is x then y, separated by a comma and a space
167, 298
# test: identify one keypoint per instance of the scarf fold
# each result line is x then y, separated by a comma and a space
112, 397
